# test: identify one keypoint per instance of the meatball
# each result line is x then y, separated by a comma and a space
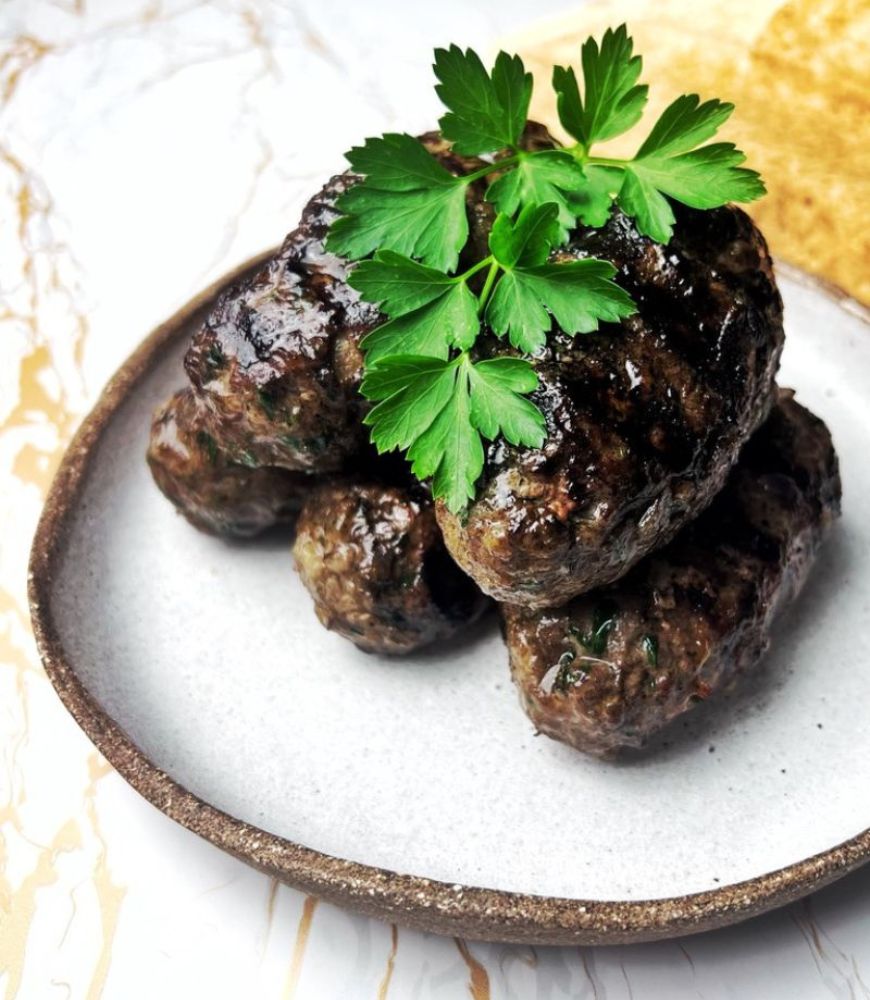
644, 419
372, 557
215, 494
274, 372
278, 362
616, 665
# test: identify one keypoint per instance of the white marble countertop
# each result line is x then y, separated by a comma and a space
145, 148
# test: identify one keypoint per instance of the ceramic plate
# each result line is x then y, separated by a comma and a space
416, 789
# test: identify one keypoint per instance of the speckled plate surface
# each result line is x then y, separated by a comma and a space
415, 789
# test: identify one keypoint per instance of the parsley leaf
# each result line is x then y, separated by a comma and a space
684, 124
429, 223
485, 113
497, 406
399, 162
406, 202
450, 450
531, 293
591, 203
394, 374
437, 410
528, 240
705, 177
430, 399
430, 330
537, 179
412, 392
650, 210
398, 284
578, 295
668, 164
614, 101
429, 310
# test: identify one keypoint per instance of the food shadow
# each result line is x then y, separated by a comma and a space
753, 692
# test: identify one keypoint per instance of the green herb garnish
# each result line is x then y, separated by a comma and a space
208, 443
438, 410
567, 675
594, 642
669, 164
435, 399
407, 203
650, 646
531, 293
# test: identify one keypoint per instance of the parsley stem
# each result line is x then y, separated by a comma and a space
603, 161
487, 287
479, 266
508, 161
578, 151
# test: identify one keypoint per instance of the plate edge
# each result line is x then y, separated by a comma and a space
426, 904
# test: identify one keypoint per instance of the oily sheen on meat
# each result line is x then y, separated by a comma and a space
645, 418
613, 666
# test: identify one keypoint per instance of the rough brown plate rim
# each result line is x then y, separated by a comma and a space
426, 904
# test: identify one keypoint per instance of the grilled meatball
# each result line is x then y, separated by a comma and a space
274, 374
644, 419
373, 559
614, 666
278, 360
214, 493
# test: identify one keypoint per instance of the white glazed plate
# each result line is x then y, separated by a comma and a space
199, 669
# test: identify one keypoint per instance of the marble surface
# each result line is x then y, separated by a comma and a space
145, 148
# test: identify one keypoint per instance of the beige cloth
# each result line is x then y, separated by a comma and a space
799, 73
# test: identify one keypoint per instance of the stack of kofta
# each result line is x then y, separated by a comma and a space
638, 557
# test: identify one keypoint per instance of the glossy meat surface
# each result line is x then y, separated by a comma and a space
645, 419
373, 559
615, 665
215, 494
275, 371
278, 359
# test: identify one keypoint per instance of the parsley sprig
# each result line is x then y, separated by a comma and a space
438, 410
435, 398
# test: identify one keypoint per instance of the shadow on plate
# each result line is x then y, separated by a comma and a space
753, 693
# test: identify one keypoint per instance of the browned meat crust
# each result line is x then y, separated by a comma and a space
278, 359
373, 559
215, 494
614, 666
644, 420
275, 370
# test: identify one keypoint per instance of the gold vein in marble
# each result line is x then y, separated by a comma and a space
19, 905
40, 261
110, 895
22, 53
302, 932
270, 911
478, 983
384, 988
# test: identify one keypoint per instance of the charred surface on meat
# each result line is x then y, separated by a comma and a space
278, 360
373, 559
644, 420
214, 493
615, 665
275, 371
